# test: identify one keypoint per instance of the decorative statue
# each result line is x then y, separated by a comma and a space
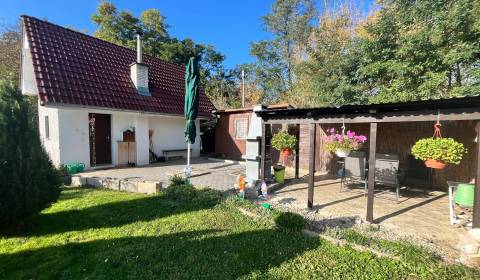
240, 185
264, 190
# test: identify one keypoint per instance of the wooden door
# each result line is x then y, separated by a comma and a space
100, 142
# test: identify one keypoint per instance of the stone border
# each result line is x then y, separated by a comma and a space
125, 185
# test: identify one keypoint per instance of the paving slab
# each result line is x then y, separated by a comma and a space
220, 175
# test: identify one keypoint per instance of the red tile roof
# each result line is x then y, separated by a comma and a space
76, 69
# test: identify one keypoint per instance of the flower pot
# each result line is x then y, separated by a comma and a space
286, 152
342, 153
435, 164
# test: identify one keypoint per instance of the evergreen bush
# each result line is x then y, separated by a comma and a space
290, 222
29, 182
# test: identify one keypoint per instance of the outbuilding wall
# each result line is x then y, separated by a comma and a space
225, 142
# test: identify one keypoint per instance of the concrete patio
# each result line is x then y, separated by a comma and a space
217, 174
419, 214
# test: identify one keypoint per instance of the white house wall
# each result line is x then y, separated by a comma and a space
28, 81
169, 134
74, 136
51, 144
69, 135
141, 139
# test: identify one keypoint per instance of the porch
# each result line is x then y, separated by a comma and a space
377, 118
421, 214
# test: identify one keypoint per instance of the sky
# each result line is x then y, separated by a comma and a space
228, 25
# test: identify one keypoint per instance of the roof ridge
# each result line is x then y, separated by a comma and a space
99, 39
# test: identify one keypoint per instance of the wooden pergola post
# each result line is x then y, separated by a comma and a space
311, 165
371, 171
476, 200
297, 154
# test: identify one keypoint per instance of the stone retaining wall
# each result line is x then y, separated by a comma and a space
136, 186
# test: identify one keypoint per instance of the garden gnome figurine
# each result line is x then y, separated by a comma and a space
241, 186
264, 190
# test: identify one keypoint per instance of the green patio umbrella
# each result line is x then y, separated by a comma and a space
191, 106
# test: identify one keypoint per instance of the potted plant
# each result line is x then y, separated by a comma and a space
437, 152
284, 142
342, 144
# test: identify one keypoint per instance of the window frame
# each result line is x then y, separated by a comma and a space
46, 123
236, 121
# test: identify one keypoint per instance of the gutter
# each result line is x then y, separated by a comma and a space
147, 113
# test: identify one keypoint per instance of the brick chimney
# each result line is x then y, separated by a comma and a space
139, 71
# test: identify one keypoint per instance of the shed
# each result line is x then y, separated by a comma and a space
232, 128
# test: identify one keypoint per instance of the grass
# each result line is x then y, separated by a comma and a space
101, 234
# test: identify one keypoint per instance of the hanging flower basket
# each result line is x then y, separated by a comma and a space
437, 152
284, 142
343, 143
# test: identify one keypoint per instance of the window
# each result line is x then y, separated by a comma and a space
241, 128
47, 128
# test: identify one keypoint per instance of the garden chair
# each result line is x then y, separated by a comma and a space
354, 170
386, 171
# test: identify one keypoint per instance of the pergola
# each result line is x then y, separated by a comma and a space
456, 109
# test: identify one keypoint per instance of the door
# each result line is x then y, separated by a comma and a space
100, 143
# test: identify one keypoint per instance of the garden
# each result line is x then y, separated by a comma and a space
185, 233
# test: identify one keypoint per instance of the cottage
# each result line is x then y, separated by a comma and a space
102, 104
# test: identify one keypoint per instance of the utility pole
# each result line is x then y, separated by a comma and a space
243, 88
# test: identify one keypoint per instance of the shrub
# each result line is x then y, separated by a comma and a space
207, 197
29, 182
283, 140
180, 192
188, 193
177, 180
288, 221
443, 149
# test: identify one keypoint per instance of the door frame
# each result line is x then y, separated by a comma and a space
93, 144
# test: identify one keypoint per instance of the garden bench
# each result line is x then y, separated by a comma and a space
166, 152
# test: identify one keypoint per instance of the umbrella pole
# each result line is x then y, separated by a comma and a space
187, 169
188, 155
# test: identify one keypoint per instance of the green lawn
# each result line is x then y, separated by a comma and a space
100, 234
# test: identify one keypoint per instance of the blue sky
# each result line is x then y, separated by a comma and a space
227, 24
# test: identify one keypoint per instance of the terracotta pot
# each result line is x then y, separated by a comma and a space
286, 152
435, 164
